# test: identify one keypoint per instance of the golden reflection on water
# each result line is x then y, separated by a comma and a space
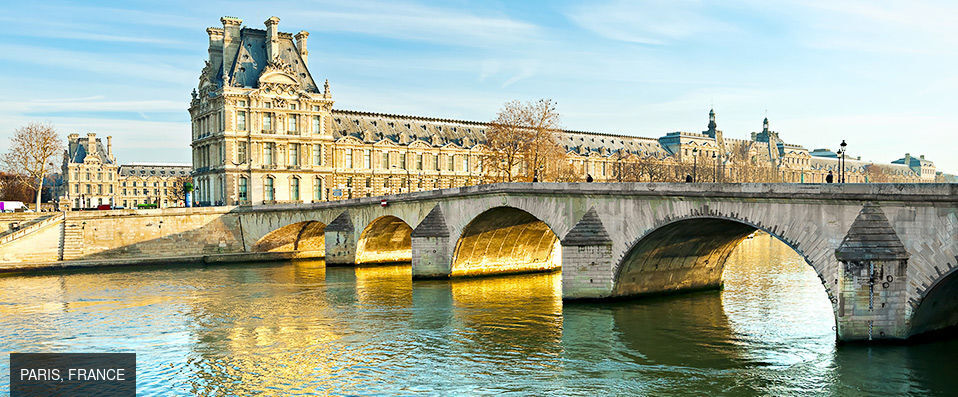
302, 328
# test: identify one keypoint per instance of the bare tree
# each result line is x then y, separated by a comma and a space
522, 144
31, 149
542, 119
506, 139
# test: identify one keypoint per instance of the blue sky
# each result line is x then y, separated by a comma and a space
879, 74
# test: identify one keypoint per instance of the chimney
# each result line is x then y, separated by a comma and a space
72, 138
216, 46
231, 41
109, 147
91, 143
272, 35
922, 156
301, 45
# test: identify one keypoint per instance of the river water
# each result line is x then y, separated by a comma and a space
303, 329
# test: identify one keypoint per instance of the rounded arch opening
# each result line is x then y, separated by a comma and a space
505, 240
697, 254
386, 239
299, 236
938, 310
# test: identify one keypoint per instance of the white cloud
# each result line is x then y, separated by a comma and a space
407, 21
654, 22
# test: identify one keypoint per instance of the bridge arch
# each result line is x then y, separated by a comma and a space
299, 236
504, 240
938, 308
690, 253
387, 239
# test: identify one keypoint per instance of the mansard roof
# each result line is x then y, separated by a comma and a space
145, 170
77, 151
402, 129
250, 62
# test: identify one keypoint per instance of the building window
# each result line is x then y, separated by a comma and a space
317, 189
267, 122
367, 159
294, 189
317, 154
99, 176
111, 189
243, 188
88, 176
369, 183
316, 125
241, 152
452, 162
349, 182
437, 162
349, 158
268, 189
76, 188
291, 123
292, 106
402, 160
268, 153
294, 154
241, 121
385, 163
465, 162
89, 189
419, 161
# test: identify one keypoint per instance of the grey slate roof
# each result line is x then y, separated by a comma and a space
374, 127
245, 69
588, 231
151, 170
76, 151
871, 237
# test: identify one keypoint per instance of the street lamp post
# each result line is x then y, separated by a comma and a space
695, 158
841, 162
715, 170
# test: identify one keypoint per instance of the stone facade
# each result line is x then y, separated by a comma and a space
92, 177
265, 132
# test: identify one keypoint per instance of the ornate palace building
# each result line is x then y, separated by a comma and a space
91, 177
265, 131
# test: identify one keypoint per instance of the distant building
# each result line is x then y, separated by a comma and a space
91, 177
264, 131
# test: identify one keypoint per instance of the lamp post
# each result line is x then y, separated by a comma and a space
715, 170
695, 158
841, 162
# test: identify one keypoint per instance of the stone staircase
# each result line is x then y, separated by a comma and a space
29, 227
71, 241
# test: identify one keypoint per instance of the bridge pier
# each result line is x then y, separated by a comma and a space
587, 266
431, 251
872, 301
340, 239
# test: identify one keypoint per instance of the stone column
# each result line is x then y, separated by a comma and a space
587, 268
340, 241
431, 251
872, 295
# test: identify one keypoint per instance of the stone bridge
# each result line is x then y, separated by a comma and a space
885, 253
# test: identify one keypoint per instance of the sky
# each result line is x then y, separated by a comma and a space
879, 74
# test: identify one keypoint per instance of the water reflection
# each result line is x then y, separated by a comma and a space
302, 328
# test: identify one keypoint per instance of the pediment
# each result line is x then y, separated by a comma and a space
385, 142
420, 144
350, 139
279, 78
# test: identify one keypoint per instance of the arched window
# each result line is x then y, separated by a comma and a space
268, 189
